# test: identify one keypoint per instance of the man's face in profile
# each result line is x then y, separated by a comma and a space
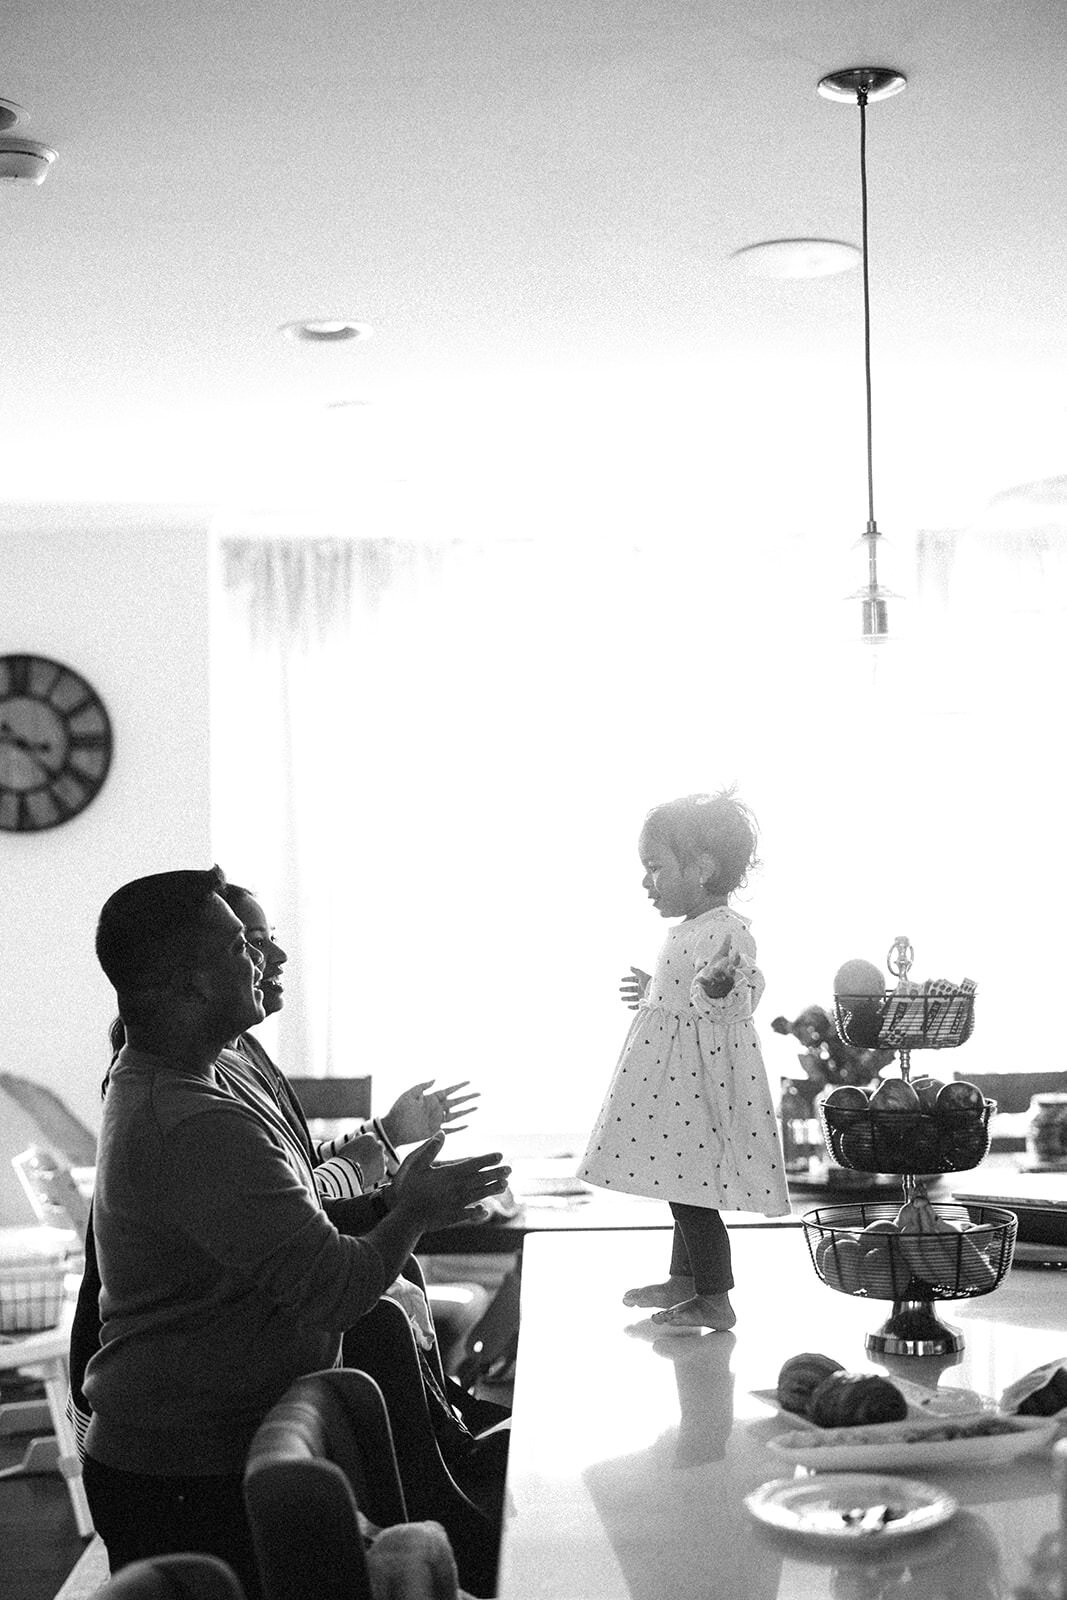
229, 969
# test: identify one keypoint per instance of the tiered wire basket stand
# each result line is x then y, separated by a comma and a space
917, 1270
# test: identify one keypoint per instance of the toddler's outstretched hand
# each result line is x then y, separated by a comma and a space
634, 986
721, 976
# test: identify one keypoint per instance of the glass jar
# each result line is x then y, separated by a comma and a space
1046, 1131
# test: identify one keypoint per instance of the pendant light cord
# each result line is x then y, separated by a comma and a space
862, 98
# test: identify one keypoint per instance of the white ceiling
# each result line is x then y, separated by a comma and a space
534, 205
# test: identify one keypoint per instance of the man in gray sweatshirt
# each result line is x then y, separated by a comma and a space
223, 1276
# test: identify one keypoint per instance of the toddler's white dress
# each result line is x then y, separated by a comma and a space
689, 1115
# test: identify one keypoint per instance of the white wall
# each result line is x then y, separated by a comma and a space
121, 595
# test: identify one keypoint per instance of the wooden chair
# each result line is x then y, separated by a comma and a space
1012, 1090
179, 1577
333, 1099
323, 1453
44, 1356
382, 1345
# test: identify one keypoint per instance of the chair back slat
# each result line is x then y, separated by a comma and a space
174, 1577
323, 1454
333, 1099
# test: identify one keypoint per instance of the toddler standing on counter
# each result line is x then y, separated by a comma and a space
689, 1117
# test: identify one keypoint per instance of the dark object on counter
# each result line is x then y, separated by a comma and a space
850, 1399
1046, 1132
1045, 1402
801, 1376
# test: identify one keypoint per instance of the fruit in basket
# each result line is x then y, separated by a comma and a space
965, 1145
917, 1215
894, 1094
883, 1271
959, 1095
860, 1020
859, 989
931, 1244
850, 1399
799, 1378
846, 1097
859, 978
838, 1257
927, 1090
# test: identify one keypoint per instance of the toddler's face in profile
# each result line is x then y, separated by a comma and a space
674, 888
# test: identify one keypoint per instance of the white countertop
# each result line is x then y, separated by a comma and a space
631, 1454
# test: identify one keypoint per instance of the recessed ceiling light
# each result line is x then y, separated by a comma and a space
326, 330
796, 258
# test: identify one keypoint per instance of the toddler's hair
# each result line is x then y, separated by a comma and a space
716, 823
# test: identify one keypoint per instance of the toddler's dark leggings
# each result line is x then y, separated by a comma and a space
701, 1248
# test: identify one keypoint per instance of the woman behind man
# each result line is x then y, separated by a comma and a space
223, 1277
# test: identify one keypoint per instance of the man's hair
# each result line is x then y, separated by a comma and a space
151, 928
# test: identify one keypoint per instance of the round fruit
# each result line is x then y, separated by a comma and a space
846, 1097
859, 977
801, 1376
960, 1096
849, 1399
841, 1263
893, 1094
860, 1019
928, 1090
883, 1273
965, 1146
882, 1225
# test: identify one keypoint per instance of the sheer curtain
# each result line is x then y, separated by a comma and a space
432, 761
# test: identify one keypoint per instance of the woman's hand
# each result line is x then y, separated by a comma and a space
634, 987
367, 1154
422, 1111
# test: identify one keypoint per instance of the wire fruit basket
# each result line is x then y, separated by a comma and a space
921, 1253
931, 1016
866, 1140
970, 1257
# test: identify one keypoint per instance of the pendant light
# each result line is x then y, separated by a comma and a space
860, 86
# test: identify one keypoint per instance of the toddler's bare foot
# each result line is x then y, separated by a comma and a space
677, 1287
702, 1311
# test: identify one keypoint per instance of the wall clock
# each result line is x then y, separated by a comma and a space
55, 743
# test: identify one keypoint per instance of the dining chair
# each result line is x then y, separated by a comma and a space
382, 1344
175, 1577
333, 1099
51, 1189
1012, 1090
44, 1356
323, 1454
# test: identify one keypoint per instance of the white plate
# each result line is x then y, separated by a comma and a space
903, 1446
850, 1507
921, 1402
